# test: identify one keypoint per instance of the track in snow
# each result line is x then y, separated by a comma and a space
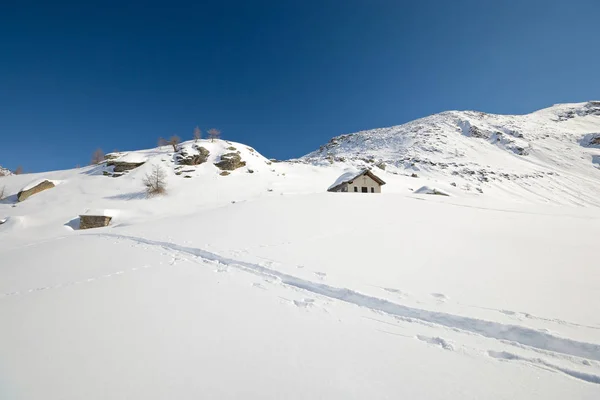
513, 333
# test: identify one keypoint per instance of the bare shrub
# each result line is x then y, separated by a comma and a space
97, 157
174, 141
197, 134
214, 133
162, 142
155, 181
19, 170
2, 192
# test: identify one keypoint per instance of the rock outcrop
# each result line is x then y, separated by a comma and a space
122, 166
230, 162
25, 194
198, 158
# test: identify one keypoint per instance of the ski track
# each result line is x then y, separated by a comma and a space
495, 330
506, 356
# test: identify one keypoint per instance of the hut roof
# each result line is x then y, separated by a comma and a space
352, 175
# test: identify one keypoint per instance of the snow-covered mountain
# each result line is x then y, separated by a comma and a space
4, 171
249, 280
553, 153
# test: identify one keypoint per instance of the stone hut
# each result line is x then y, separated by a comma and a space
364, 181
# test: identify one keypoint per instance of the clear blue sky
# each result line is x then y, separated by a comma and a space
282, 76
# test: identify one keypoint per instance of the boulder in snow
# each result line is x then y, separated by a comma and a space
230, 162
96, 218
34, 188
93, 221
429, 190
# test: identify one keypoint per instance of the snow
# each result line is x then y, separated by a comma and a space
100, 212
264, 285
430, 190
345, 177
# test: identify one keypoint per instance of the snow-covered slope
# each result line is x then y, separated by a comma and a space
259, 284
552, 155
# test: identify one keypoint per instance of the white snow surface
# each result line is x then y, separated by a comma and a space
262, 285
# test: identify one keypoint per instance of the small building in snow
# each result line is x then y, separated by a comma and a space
357, 182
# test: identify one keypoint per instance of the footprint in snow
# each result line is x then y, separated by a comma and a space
304, 303
321, 275
438, 341
440, 297
258, 285
397, 292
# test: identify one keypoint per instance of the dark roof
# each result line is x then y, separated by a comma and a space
349, 177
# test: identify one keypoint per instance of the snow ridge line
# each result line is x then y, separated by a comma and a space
495, 330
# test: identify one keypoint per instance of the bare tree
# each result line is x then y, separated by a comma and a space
174, 141
155, 181
214, 133
162, 142
19, 170
197, 134
97, 157
2, 192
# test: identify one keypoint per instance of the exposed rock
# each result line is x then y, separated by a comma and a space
24, 194
230, 162
93, 221
231, 148
476, 132
112, 156
122, 166
381, 165
250, 171
413, 175
193, 159
224, 173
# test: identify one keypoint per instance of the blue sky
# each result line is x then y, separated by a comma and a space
282, 76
